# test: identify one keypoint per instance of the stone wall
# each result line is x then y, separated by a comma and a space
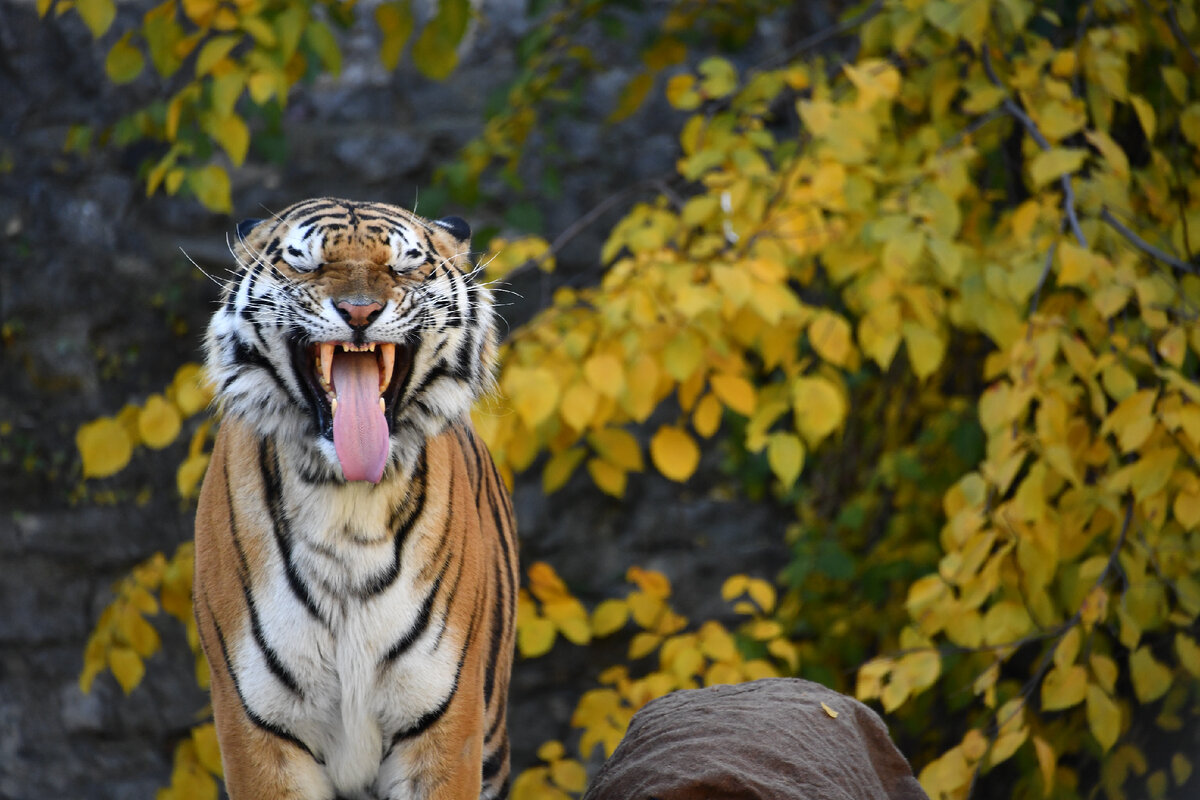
100, 302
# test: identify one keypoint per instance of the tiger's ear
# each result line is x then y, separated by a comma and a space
245, 226
455, 226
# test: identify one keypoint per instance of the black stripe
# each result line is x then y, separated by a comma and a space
421, 623
274, 663
430, 718
495, 762
269, 465
258, 721
247, 356
400, 534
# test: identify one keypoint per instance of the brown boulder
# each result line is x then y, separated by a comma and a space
768, 739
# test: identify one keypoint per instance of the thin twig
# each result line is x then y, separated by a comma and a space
821, 37
1177, 32
580, 225
1037, 291
1145, 246
1014, 108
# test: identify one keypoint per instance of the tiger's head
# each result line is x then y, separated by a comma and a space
351, 331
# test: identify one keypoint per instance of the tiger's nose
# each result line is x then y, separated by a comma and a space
359, 315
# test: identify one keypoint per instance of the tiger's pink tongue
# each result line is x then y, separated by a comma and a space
360, 433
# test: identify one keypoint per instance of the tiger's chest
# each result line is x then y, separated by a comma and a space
346, 648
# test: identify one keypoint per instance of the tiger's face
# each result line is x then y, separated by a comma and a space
351, 331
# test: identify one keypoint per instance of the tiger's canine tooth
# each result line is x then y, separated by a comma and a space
326, 359
387, 360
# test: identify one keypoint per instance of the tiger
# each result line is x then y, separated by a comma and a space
355, 548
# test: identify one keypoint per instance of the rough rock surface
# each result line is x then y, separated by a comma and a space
772, 739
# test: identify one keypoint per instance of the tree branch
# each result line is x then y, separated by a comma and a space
1144, 246
1018, 113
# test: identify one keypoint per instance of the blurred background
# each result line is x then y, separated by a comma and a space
854, 342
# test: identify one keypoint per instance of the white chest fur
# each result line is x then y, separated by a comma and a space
321, 662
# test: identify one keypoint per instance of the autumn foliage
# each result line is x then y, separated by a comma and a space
941, 299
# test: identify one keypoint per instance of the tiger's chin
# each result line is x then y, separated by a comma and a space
353, 391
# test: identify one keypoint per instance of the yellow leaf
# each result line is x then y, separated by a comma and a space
124, 61
1151, 680
189, 475
609, 617
1006, 622
1047, 763
126, 666
159, 423
578, 406
785, 455
819, 407
829, 334
1111, 152
1103, 716
190, 389
395, 21
545, 583
925, 349
1145, 115
643, 645
652, 582
560, 467
719, 77
98, 15
921, 669
569, 774
534, 393
1181, 768
608, 477
536, 637
761, 593
1132, 420
233, 135
618, 446
1189, 653
632, 97
716, 642
875, 80
675, 453
706, 417
204, 738
213, 51
735, 392
1067, 648
1050, 165
552, 750
1063, 688
605, 374
210, 185
104, 447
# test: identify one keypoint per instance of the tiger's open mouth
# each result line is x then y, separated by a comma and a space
355, 390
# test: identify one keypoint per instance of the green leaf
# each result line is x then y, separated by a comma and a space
318, 36
213, 51
210, 185
226, 90
632, 97
435, 52
233, 135
98, 15
395, 21
163, 34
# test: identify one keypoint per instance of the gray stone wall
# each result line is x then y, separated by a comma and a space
99, 304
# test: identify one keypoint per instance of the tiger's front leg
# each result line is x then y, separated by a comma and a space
257, 763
